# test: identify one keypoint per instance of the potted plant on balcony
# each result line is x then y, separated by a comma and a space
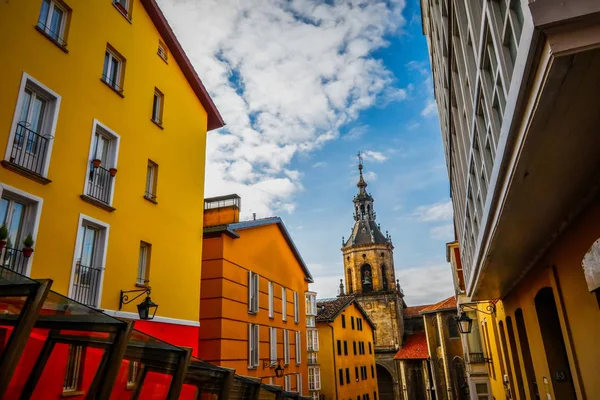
112, 172
96, 162
28, 246
3, 236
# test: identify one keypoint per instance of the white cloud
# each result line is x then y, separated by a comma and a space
370, 176
434, 212
356, 133
417, 283
319, 164
413, 126
286, 75
443, 232
430, 109
375, 156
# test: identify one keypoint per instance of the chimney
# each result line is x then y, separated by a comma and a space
254, 216
222, 210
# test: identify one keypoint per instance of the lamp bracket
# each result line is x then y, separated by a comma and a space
490, 308
268, 363
124, 298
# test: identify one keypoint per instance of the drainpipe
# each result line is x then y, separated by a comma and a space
335, 379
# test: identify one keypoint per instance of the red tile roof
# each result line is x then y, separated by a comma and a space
414, 311
447, 304
414, 347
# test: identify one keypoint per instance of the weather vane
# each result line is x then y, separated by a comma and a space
360, 159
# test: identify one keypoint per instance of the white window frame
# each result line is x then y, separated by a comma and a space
286, 347
46, 28
315, 382
114, 155
298, 347
152, 179
312, 357
296, 310
271, 300
299, 383
132, 373
103, 247
118, 86
163, 51
143, 277
157, 112
253, 345
273, 346
311, 303
49, 120
253, 292
76, 366
312, 340
283, 303
310, 321
32, 215
287, 383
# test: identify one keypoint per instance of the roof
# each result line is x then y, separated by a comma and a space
444, 305
329, 309
214, 119
414, 347
365, 232
231, 230
414, 311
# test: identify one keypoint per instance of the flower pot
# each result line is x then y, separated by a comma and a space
27, 251
112, 172
2, 245
96, 162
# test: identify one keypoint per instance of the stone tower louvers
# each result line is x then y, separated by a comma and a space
370, 277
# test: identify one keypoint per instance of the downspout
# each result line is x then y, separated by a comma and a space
334, 366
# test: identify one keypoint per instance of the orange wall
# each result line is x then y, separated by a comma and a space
221, 216
224, 301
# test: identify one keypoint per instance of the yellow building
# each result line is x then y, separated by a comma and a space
254, 280
103, 126
347, 350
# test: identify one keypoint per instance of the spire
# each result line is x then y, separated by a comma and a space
362, 185
341, 287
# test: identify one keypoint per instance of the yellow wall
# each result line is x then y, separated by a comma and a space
173, 226
224, 304
328, 356
578, 311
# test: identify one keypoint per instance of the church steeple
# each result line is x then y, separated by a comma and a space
363, 201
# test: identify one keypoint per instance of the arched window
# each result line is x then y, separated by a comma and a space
384, 281
349, 280
452, 327
366, 278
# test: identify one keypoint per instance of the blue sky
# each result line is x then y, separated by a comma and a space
305, 84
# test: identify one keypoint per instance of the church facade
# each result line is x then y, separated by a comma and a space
370, 277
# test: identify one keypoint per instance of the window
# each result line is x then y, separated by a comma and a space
299, 383
312, 339
311, 304
157, 107
253, 337
163, 51
143, 277
132, 374
314, 378
53, 20
298, 348
90, 258
312, 357
286, 347
352, 322
343, 321
33, 129
114, 69
347, 375
287, 383
354, 345
356, 373
296, 310
339, 347
341, 372
482, 391
452, 327
74, 370
310, 321
151, 181
252, 292
375, 395
19, 211
102, 166
370, 349
360, 324
271, 300
273, 345
372, 372
124, 7
345, 348
283, 304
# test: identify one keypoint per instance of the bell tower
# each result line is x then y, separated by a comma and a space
370, 276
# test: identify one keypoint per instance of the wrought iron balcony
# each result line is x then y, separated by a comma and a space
99, 184
477, 358
86, 285
55, 36
14, 260
28, 150
112, 83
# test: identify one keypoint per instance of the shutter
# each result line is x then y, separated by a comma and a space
299, 383
256, 292
283, 304
250, 297
250, 346
271, 300
256, 344
296, 307
298, 348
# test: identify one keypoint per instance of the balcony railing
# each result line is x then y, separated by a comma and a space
477, 358
28, 149
100, 184
86, 285
14, 260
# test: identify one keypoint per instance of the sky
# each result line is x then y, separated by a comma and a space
303, 85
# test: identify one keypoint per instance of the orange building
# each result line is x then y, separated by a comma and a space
252, 297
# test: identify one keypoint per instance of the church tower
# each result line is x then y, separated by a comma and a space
370, 277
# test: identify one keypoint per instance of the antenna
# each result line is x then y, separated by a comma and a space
360, 159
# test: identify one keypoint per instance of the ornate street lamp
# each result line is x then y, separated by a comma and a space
464, 322
278, 369
146, 309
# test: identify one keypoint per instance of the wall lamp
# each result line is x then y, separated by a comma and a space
465, 323
271, 364
146, 309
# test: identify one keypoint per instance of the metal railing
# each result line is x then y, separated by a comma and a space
86, 285
51, 34
99, 184
29, 149
14, 260
112, 83
477, 358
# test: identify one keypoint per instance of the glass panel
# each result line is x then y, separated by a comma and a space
114, 71
37, 113
56, 22
106, 62
44, 12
